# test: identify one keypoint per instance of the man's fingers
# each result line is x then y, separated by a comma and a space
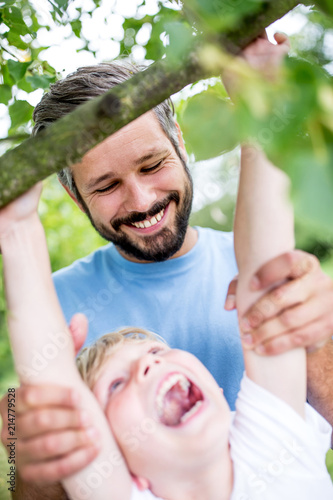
230, 301
37, 396
55, 445
312, 336
40, 421
275, 302
56, 470
79, 328
293, 318
289, 265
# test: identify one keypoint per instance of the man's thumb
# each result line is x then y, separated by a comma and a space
79, 329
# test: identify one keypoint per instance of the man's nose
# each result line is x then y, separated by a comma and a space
139, 197
145, 366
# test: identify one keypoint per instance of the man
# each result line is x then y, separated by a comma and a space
159, 274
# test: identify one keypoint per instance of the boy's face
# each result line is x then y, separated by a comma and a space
164, 408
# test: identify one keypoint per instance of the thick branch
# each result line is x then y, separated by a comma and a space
67, 140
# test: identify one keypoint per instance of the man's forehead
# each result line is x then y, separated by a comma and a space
134, 142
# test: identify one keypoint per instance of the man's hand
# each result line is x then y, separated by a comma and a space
54, 437
298, 313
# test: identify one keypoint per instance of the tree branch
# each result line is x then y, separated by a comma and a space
68, 139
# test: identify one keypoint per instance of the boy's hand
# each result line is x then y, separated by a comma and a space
262, 56
54, 439
19, 210
266, 57
298, 313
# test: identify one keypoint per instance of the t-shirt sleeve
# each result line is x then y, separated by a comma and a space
276, 453
142, 495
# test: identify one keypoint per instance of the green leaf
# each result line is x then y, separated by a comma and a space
13, 18
218, 15
17, 69
40, 81
181, 40
209, 126
20, 113
62, 4
5, 94
15, 40
7, 79
76, 27
326, 6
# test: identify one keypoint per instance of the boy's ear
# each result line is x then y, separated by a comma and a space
72, 196
141, 483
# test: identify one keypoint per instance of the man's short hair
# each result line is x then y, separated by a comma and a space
85, 84
91, 358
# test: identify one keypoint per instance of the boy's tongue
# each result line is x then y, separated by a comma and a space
176, 403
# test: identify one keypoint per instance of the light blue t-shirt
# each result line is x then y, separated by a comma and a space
181, 299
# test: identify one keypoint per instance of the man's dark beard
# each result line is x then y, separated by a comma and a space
158, 247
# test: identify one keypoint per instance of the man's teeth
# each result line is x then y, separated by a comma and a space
149, 222
166, 386
191, 412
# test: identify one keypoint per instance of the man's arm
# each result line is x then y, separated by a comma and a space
320, 381
24, 491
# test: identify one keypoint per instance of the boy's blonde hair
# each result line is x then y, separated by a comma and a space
92, 357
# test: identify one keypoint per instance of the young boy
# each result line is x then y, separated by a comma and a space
168, 417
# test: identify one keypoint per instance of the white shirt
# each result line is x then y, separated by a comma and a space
278, 455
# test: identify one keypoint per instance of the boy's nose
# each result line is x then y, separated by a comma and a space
145, 366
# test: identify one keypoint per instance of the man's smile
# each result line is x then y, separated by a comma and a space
150, 224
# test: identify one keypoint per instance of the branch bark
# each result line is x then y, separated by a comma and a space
67, 140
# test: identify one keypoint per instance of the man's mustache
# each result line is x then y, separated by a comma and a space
140, 216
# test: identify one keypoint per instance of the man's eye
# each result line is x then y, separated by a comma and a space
116, 384
108, 188
151, 169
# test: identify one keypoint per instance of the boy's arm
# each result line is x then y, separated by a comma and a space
42, 346
263, 230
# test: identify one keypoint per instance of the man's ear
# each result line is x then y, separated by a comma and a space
73, 197
141, 483
181, 142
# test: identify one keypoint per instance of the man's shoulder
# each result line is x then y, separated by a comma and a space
216, 238
89, 264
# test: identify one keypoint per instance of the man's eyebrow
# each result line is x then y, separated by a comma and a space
151, 155
92, 184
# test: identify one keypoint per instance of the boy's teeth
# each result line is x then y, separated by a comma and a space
149, 222
189, 414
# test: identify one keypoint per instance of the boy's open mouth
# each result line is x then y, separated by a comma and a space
177, 400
